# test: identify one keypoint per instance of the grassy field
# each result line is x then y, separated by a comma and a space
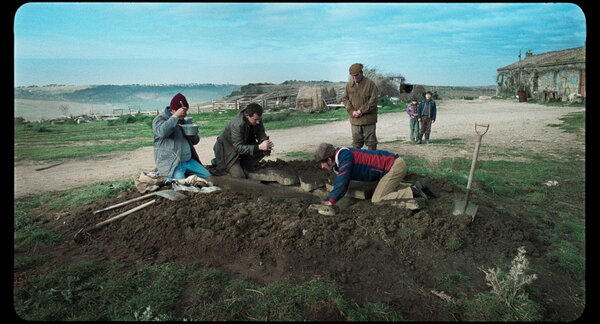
46, 142
111, 291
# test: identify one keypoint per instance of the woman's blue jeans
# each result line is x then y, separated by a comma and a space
188, 168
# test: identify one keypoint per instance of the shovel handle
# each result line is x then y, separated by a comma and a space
112, 219
124, 203
480, 135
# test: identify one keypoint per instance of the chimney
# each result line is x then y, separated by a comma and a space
528, 53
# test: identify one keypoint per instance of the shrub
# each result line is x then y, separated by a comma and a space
508, 300
129, 119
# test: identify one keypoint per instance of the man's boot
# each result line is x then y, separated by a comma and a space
427, 138
420, 139
372, 147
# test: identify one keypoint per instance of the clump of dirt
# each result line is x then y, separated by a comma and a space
265, 232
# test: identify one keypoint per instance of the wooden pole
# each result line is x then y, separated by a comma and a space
112, 219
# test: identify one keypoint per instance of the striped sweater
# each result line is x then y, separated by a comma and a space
360, 165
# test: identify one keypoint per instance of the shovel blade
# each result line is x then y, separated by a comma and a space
462, 207
171, 194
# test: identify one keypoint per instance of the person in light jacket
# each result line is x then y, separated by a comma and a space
413, 119
174, 152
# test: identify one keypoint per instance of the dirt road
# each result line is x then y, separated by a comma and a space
512, 125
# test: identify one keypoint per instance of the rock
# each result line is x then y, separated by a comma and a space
309, 184
323, 210
283, 177
410, 204
320, 192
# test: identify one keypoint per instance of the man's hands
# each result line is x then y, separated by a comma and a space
357, 113
266, 145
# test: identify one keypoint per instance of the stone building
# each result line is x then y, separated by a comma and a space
551, 76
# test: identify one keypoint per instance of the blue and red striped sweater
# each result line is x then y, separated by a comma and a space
360, 165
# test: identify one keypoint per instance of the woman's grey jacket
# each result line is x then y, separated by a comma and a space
171, 146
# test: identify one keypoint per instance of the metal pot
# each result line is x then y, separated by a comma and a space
190, 129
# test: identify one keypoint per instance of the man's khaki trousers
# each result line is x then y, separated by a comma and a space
391, 186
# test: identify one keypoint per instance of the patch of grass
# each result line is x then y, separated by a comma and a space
573, 123
28, 261
89, 291
33, 236
448, 281
384, 237
92, 291
28, 234
568, 257
453, 243
449, 142
299, 155
221, 297
555, 211
46, 142
84, 194
508, 299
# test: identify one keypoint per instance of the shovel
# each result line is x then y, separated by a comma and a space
464, 206
169, 194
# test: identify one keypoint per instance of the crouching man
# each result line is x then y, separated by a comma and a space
242, 144
364, 165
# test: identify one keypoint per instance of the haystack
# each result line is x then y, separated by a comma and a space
312, 98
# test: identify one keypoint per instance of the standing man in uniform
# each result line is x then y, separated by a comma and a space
360, 101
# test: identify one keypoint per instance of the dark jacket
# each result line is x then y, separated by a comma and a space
237, 139
422, 107
171, 146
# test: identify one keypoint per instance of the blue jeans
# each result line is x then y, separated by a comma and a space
189, 167
413, 123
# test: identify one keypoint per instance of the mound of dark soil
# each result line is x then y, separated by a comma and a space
264, 232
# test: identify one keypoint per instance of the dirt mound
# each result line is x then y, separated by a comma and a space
265, 232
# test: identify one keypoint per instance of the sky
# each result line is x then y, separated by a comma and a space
452, 44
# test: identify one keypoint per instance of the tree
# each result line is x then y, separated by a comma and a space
64, 109
385, 86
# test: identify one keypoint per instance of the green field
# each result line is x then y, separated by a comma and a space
46, 142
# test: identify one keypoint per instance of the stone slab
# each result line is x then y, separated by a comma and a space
283, 177
309, 184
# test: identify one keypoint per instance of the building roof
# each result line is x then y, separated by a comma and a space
567, 56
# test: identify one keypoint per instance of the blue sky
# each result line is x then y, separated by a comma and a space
460, 44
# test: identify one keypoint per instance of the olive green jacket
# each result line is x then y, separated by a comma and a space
237, 139
361, 96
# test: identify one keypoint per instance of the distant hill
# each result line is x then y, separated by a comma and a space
146, 97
